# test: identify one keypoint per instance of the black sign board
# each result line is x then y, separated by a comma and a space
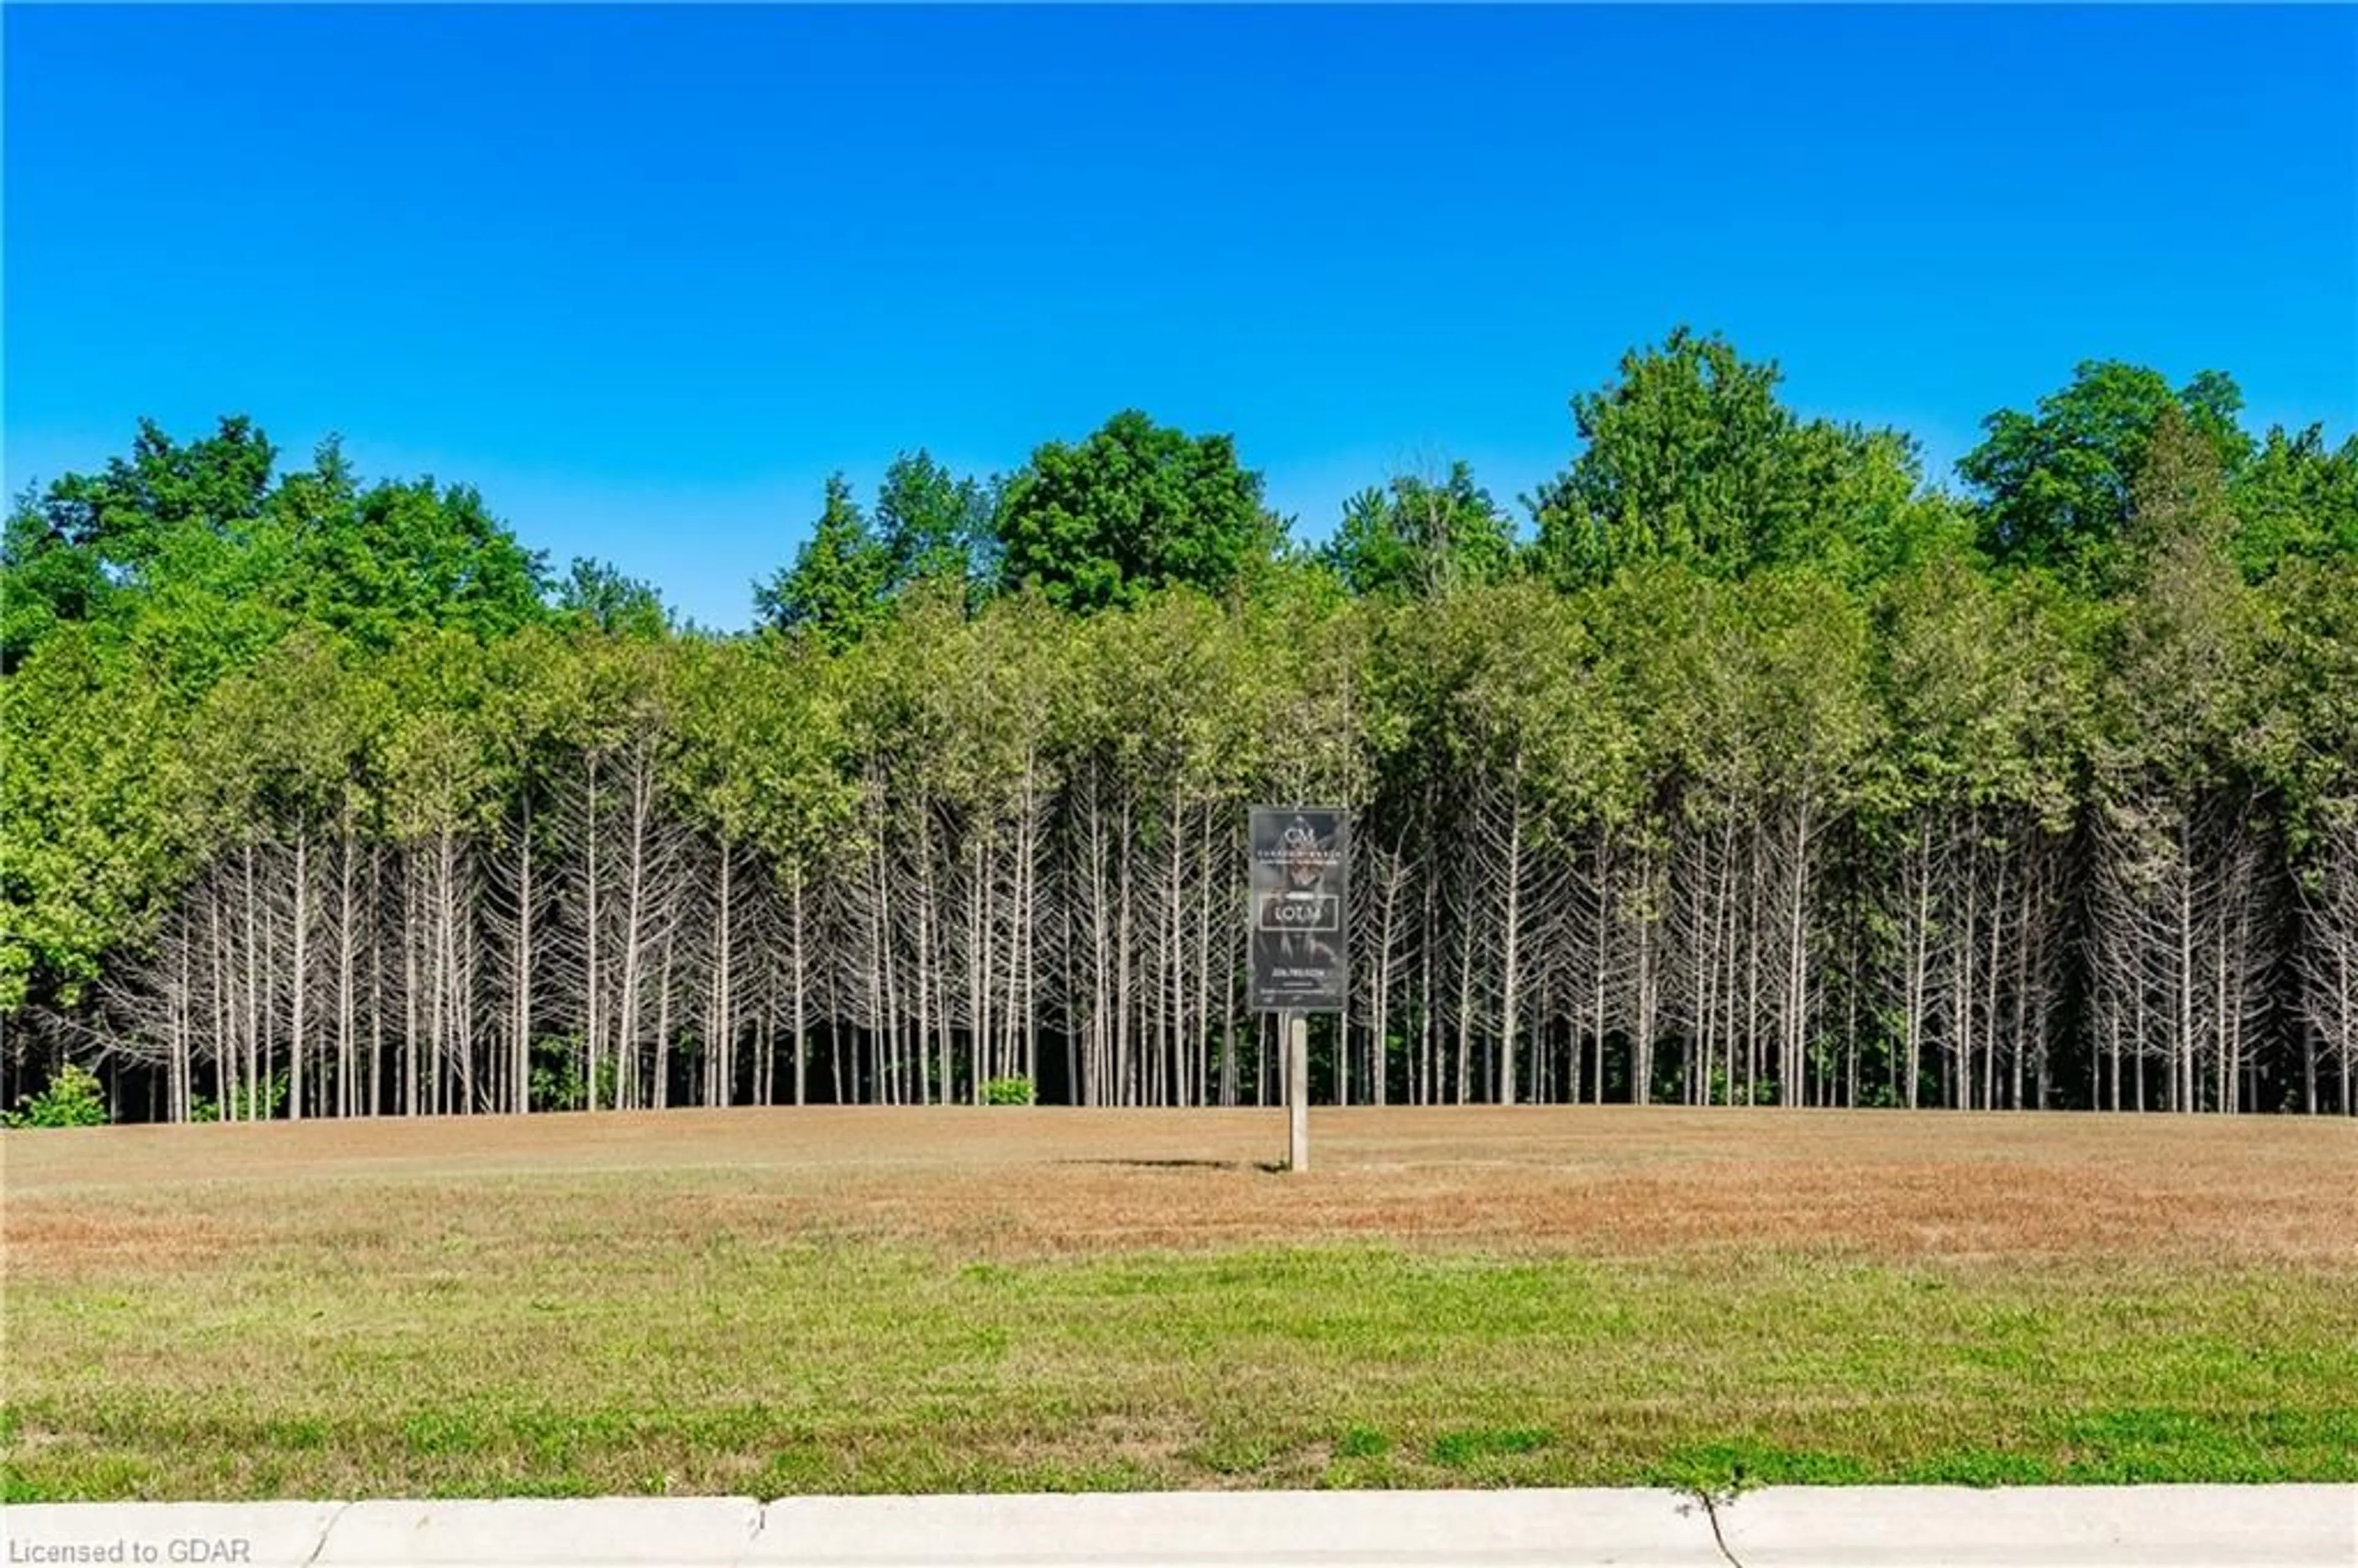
1300, 908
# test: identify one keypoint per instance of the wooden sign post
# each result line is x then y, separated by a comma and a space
1297, 1091
1300, 928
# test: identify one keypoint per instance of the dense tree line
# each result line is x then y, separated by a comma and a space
1764, 772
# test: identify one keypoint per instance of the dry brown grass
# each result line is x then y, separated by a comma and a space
1010, 1182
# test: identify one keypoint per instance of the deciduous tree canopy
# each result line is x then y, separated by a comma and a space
1136, 507
1764, 771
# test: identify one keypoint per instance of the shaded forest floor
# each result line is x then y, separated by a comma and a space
772, 1301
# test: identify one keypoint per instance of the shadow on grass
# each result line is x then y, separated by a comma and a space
1270, 1166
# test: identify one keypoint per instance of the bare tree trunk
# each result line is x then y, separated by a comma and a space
377, 989
520, 975
1510, 975
298, 1040
659, 1092
800, 986
347, 968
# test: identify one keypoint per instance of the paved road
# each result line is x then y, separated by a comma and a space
1788, 1527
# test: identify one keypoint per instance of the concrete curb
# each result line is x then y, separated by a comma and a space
1785, 1527
2043, 1526
542, 1532
209, 1534
1241, 1530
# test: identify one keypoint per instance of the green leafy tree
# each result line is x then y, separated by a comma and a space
291, 749
47, 578
195, 549
173, 535
1986, 688
1134, 508
2188, 696
598, 596
404, 554
935, 527
1417, 539
439, 763
2295, 498
2055, 483
1679, 459
93, 827
1691, 456
1867, 511
836, 590
125, 513
2312, 659
75, 1097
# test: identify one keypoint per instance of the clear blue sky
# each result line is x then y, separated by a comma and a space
647, 276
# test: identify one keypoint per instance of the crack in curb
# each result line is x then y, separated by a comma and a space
325, 1531
1711, 1512
761, 1523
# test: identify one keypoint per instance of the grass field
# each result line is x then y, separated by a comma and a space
780, 1301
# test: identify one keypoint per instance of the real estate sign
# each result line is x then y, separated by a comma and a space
1300, 908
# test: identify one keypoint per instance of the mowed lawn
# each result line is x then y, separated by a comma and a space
773, 1301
